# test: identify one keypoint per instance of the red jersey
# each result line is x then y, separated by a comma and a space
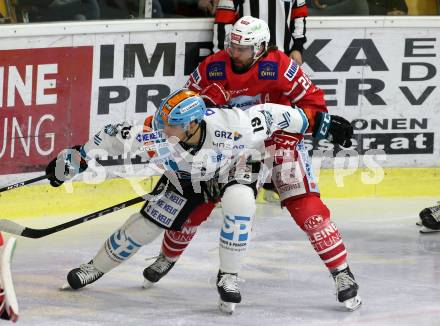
274, 78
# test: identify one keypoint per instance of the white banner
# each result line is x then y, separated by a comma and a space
386, 81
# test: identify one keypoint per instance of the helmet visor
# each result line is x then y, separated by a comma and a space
234, 49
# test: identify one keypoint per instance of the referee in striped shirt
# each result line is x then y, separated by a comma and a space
286, 20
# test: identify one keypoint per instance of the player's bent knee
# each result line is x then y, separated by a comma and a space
238, 204
309, 212
126, 241
239, 199
139, 230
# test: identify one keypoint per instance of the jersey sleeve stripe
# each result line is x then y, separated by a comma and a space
291, 90
305, 124
300, 96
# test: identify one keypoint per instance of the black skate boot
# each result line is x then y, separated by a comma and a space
85, 274
430, 219
227, 287
157, 270
346, 289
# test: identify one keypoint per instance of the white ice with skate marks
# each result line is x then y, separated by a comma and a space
397, 268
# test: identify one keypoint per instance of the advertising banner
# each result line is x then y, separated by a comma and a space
385, 81
44, 104
57, 91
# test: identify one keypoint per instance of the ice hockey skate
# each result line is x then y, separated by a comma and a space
430, 219
346, 289
227, 287
82, 276
157, 270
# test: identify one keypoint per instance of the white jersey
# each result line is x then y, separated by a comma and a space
227, 135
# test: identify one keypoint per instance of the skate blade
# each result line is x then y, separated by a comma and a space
425, 230
419, 223
65, 287
353, 303
226, 307
147, 284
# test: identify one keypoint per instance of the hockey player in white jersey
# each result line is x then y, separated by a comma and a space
200, 170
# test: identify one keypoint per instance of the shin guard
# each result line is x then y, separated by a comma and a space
238, 204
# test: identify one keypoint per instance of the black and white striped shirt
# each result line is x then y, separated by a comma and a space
286, 20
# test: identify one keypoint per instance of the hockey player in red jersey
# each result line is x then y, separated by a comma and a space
249, 72
286, 20
8, 300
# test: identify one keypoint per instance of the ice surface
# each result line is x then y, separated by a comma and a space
397, 268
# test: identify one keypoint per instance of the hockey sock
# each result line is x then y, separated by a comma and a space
175, 242
313, 217
125, 242
238, 204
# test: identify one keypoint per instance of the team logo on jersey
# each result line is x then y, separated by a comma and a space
291, 70
111, 130
245, 102
268, 70
216, 70
227, 134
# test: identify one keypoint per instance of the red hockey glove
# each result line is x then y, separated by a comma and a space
284, 144
215, 95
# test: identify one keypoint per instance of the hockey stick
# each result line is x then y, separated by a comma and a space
23, 183
17, 229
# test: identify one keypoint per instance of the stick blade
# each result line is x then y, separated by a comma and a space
11, 227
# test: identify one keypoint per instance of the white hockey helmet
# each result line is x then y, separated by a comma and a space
251, 31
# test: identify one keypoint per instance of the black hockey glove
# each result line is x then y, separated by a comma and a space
431, 217
65, 166
334, 128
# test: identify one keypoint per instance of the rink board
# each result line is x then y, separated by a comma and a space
79, 198
379, 73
